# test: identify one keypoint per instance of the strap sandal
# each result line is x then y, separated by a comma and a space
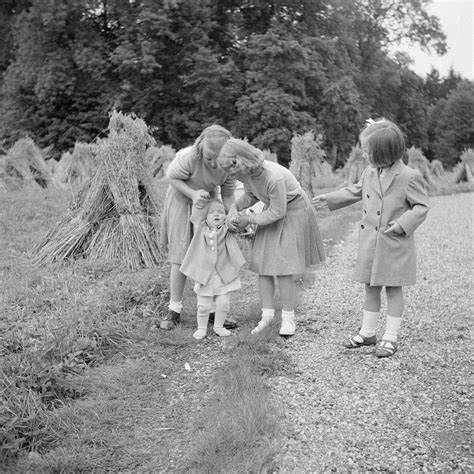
386, 348
353, 343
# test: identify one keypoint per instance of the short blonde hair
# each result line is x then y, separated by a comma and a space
214, 137
241, 153
385, 142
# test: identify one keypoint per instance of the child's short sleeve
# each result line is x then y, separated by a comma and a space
182, 166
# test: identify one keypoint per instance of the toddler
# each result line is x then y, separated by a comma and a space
213, 260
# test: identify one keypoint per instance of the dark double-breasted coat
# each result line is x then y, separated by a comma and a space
386, 259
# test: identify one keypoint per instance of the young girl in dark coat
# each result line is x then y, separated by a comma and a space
394, 204
213, 261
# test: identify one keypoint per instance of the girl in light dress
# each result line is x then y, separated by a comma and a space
194, 178
287, 239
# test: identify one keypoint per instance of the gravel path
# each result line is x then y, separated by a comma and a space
350, 411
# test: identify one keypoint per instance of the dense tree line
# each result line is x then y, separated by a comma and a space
264, 69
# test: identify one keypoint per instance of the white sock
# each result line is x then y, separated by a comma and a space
288, 323
219, 320
176, 306
392, 327
369, 323
267, 315
202, 319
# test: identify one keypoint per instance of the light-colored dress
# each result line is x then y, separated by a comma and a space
176, 227
386, 259
287, 240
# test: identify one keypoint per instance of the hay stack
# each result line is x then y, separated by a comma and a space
159, 158
418, 161
464, 170
24, 165
76, 168
436, 168
308, 163
355, 166
115, 216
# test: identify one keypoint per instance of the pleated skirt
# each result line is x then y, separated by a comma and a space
290, 245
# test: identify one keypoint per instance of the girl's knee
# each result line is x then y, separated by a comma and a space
394, 291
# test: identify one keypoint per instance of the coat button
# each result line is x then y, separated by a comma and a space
378, 213
368, 196
376, 228
365, 212
362, 226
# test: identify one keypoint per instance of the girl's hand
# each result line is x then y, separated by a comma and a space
393, 228
200, 198
320, 202
232, 220
244, 221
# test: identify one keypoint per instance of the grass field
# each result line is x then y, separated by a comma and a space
86, 380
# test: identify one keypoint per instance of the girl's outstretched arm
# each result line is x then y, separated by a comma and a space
344, 197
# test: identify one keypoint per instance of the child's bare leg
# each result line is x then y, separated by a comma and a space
372, 298
394, 312
267, 296
267, 291
204, 303
286, 284
222, 303
177, 283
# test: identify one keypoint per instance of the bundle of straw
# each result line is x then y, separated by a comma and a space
24, 165
436, 168
159, 159
308, 163
115, 216
464, 170
77, 167
418, 161
355, 165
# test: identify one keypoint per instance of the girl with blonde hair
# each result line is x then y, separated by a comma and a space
194, 178
287, 239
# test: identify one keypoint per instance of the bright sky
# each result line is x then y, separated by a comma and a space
456, 19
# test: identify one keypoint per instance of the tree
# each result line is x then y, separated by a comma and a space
273, 103
412, 109
451, 124
341, 115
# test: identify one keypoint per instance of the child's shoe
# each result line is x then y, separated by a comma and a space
222, 332
170, 320
262, 324
229, 323
288, 324
200, 334
386, 348
359, 341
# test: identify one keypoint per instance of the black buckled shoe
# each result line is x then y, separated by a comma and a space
170, 320
228, 323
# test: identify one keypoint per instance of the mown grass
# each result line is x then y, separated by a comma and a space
78, 352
